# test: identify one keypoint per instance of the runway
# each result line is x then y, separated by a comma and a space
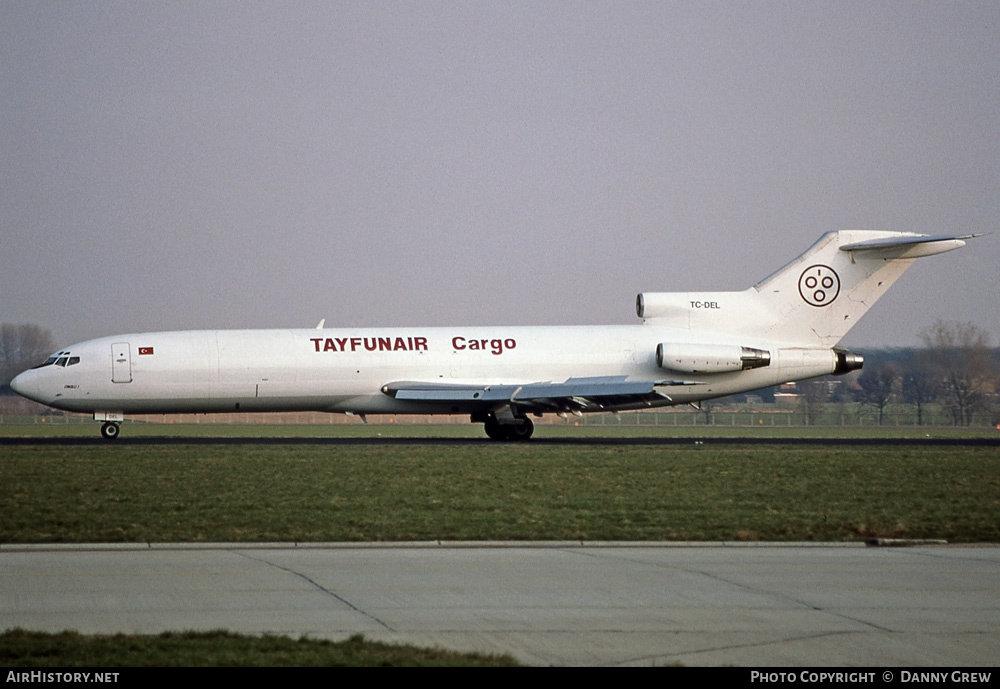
624, 441
546, 604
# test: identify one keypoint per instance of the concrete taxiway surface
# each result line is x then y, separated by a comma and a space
565, 604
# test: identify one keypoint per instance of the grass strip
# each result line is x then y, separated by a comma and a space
19, 648
309, 493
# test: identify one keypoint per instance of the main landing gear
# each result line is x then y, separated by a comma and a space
110, 430
517, 432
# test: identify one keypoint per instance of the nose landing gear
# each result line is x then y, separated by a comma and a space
110, 430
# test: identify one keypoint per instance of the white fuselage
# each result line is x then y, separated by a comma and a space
691, 346
344, 370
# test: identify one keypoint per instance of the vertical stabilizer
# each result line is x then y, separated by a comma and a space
812, 301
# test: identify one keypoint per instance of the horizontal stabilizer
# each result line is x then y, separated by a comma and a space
928, 245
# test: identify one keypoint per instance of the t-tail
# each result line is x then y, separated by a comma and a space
812, 301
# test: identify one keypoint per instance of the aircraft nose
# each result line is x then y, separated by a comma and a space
17, 385
25, 385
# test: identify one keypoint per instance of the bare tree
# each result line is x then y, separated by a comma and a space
21, 346
919, 387
812, 399
879, 386
960, 358
706, 407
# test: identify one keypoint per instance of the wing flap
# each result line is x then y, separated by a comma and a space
603, 392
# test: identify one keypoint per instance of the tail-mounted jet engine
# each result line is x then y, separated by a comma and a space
709, 358
847, 361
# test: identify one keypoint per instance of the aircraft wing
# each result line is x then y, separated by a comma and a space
573, 394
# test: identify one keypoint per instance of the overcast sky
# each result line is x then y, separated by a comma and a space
180, 165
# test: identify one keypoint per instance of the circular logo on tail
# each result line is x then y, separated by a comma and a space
819, 285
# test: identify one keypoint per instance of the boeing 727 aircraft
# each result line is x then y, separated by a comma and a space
690, 346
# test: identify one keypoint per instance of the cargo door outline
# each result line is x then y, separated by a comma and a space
121, 363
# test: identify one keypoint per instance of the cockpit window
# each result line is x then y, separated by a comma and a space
59, 359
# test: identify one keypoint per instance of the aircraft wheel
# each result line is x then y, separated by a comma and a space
508, 432
521, 431
110, 430
494, 429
